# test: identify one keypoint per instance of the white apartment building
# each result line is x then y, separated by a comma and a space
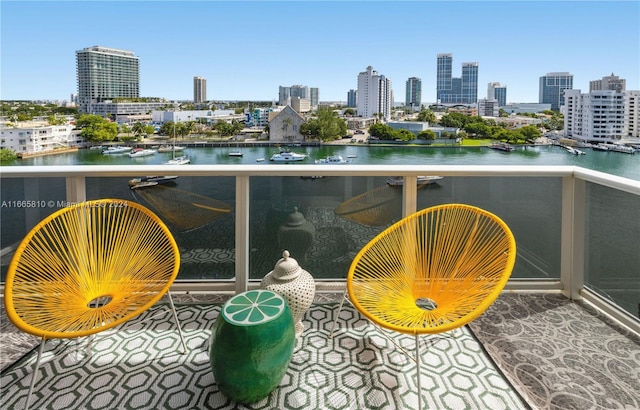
38, 137
594, 117
632, 116
488, 107
374, 94
301, 105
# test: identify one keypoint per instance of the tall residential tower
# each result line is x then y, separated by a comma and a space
374, 94
456, 90
552, 87
612, 82
104, 74
199, 90
413, 96
498, 92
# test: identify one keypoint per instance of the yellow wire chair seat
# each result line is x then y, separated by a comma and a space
433, 271
90, 267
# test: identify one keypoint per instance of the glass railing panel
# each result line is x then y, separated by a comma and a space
336, 217
612, 246
24, 203
199, 211
530, 206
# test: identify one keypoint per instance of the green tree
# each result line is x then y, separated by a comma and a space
96, 129
350, 112
327, 126
7, 155
54, 119
427, 135
529, 133
223, 128
454, 119
427, 116
138, 129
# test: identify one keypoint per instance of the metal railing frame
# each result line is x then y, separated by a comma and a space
574, 180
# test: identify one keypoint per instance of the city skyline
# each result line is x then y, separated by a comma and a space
246, 50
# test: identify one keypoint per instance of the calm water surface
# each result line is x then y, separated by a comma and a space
625, 165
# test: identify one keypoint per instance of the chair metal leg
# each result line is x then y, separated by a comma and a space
335, 320
418, 370
175, 318
35, 372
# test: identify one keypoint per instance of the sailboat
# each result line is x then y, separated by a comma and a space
180, 160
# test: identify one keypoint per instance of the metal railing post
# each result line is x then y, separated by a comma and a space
242, 233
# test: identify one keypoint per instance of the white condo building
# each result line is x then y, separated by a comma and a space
595, 117
374, 94
632, 116
29, 138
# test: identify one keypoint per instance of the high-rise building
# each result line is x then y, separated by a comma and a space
456, 90
374, 94
444, 74
413, 97
284, 93
495, 91
552, 87
469, 83
632, 115
352, 98
612, 82
314, 96
104, 74
597, 116
199, 90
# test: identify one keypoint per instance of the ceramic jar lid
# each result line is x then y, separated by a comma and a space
295, 218
286, 268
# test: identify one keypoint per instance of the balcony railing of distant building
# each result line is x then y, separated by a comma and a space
577, 230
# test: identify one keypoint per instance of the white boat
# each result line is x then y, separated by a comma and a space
333, 159
422, 180
352, 156
170, 148
574, 151
143, 182
620, 148
141, 152
235, 153
287, 156
181, 160
259, 159
600, 147
116, 150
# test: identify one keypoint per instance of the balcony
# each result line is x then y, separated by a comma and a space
564, 334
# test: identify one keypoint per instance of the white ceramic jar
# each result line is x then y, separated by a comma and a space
294, 284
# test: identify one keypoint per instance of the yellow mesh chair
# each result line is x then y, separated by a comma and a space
87, 268
433, 271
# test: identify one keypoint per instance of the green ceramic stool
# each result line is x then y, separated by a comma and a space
251, 345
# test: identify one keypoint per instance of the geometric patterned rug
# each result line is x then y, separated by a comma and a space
140, 366
561, 354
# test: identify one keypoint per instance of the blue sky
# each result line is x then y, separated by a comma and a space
246, 50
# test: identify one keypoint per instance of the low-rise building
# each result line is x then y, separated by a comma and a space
284, 126
33, 138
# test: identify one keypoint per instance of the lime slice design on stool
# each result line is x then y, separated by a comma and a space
253, 307
251, 345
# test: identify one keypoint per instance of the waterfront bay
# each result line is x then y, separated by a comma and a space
620, 164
